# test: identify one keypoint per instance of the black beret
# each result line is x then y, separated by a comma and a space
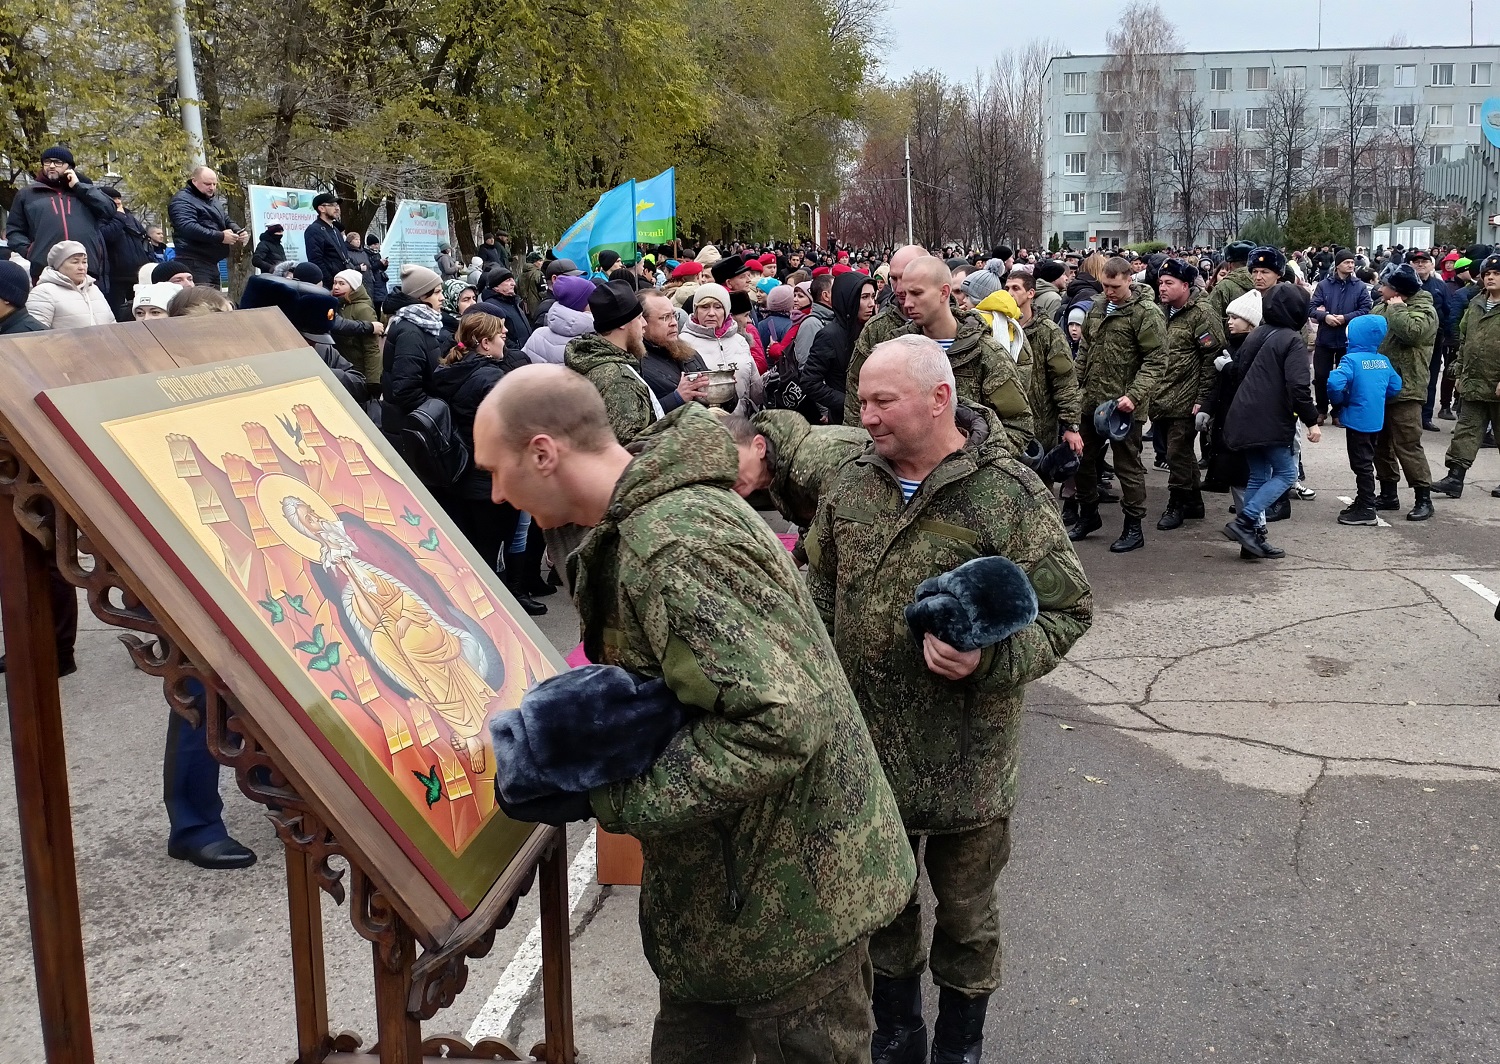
1403, 279
1180, 270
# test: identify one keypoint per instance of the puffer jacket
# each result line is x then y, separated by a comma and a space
463, 385
1123, 352
728, 351
58, 303
828, 361
550, 342
1275, 374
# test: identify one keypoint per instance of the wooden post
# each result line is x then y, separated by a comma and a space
557, 959
399, 1036
309, 980
36, 735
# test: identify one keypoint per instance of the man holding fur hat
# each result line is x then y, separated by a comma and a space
941, 680
1411, 329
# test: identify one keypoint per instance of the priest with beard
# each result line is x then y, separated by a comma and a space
669, 361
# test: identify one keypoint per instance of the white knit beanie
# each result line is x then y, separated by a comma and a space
1246, 307
352, 278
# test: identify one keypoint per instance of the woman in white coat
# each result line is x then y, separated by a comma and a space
715, 335
65, 296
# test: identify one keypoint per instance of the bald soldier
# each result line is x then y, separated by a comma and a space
772, 843
888, 321
937, 487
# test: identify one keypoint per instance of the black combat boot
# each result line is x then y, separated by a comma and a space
1070, 511
1423, 508
1360, 512
1452, 485
1388, 499
1172, 516
1192, 506
1130, 539
1266, 550
900, 1033
1281, 509
1088, 521
958, 1035
1243, 532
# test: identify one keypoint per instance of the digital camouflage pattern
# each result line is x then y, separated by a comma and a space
950, 749
1234, 284
886, 325
1194, 338
1052, 391
1477, 368
771, 838
1411, 330
802, 457
617, 375
1122, 353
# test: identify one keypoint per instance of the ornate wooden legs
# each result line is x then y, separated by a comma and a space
36, 735
557, 964
304, 902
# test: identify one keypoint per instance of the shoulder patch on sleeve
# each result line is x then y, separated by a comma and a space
1057, 586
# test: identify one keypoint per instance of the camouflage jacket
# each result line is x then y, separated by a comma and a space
802, 457
1478, 365
949, 748
617, 375
1235, 284
1122, 353
886, 325
771, 839
1411, 330
1052, 392
1194, 338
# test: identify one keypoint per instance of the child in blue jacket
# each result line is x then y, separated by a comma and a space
1358, 389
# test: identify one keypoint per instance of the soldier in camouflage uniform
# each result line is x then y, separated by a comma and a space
610, 357
1235, 283
789, 460
1120, 357
1051, 378
889, 321
1194, 338
1477, 371
947, 724
1411, 320
773, 845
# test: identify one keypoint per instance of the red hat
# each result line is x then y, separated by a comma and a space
687, 269
768, 259
864, 270
819, 271
841, 268
843, 256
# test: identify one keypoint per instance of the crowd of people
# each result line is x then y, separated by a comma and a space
940, 430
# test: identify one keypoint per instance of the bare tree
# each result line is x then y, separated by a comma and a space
1227, 176
936, 113
1359, 131
1289, 142
1183, 143
1132, 97
1401, 158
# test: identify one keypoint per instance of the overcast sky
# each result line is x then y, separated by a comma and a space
957, 36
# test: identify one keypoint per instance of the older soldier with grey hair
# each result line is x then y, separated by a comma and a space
936, 488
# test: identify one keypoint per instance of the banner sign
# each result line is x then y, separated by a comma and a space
609, 224
419, 228
290, 208
656, 208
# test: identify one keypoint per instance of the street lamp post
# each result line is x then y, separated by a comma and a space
187, 84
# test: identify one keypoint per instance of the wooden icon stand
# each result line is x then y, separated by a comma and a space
54, 514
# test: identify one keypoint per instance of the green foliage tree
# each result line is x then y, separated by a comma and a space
1311, 222
1054, 244
1263, 231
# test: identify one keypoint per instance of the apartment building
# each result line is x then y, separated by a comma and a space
1422, 104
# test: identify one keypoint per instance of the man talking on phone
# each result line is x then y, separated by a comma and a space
59, 205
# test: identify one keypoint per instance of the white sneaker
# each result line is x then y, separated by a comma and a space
1304, 493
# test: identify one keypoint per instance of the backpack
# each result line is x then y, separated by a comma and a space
431, 446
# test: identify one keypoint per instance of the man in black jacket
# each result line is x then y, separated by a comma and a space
500, 291
324, 239
201, 228
669, 361
827, 369
15, 287
127, 250
59, 205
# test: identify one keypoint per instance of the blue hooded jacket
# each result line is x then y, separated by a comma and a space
1364, 379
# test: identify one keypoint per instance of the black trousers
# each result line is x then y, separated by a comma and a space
488, 525
1361, 447
1324, 359
203, 271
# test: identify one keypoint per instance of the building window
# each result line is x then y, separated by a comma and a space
1438, 154
1073, 202
1218, 200
1075, 163
1075, 123
1218, 159
1255, 199
1404, 114
1440, 114
1111, 122
1257, 77
1330, 196
1221, 78
1109, 81
1075, 83
1328, 158
1109, 203
1296, 160
1330, 117
1406, 75
1218, 119
1442, 73
1367, 75
1479, 73
1474, 110
1187, 80
1255, 159
1364, 199
1333, 77
1296, 76
1148, 122
1366, 117
1255, 118
1114, 162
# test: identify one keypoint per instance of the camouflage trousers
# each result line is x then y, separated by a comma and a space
824, 1019
1400, 445
1128, 468
962, 869
1182, 461
1468, 434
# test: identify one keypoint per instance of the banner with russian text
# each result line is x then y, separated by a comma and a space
656, 208
419, 228
290, 208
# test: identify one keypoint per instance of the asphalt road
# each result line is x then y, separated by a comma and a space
1258, 822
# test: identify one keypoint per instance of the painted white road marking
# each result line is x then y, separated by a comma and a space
519, 975
1379, 521
1478, 588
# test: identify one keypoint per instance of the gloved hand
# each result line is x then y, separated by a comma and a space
1221, 362
1201, 421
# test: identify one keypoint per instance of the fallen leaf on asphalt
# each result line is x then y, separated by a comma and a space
1096, 779
1066, 727
1429, 790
